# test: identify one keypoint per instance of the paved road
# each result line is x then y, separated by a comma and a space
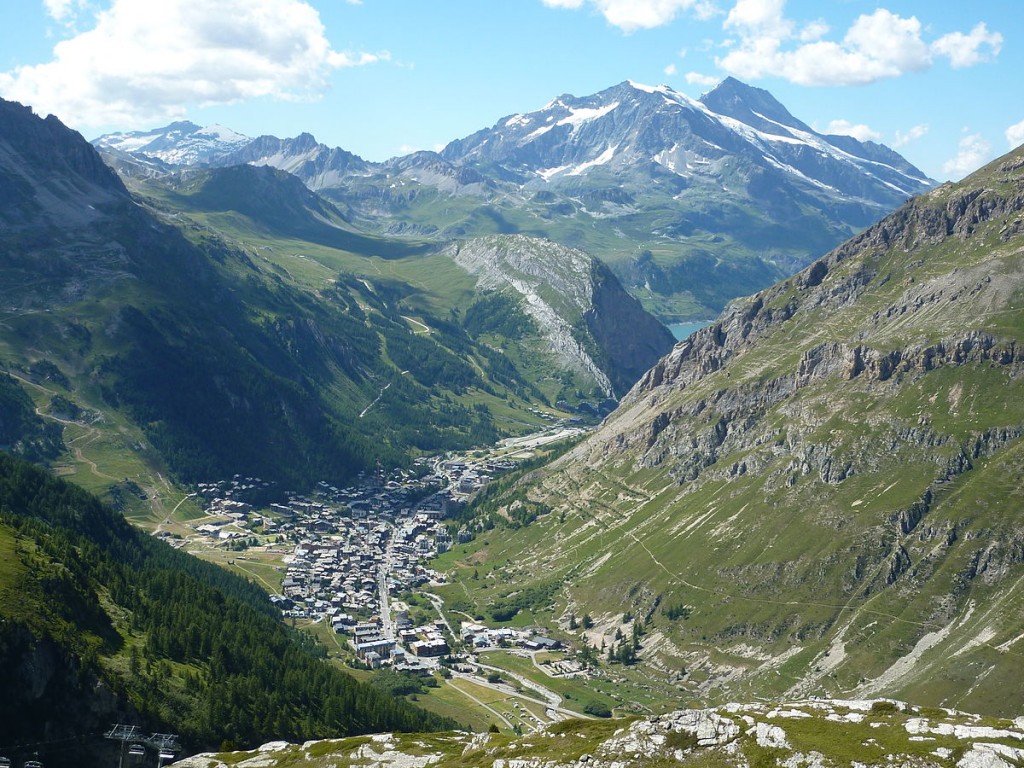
387, 627
508, 690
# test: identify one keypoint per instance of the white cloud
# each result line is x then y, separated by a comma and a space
64, 11
631, 15
915, 133
878, 45
858, 131
144, 62
57, 9
696, 78
814, 31
671, 70
763, 18
966, 50
973, 152
1015, 135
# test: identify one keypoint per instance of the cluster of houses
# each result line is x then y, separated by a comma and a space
405, 652
338, 572
480, 637
343, 547
338, 543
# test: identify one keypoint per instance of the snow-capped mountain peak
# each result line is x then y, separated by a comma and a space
180, 143
631, 128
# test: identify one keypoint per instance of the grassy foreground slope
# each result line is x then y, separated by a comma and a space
819, 493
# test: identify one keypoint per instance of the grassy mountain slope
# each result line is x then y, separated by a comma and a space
816, 494
102, 623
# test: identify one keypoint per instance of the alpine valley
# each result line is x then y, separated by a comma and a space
807, 507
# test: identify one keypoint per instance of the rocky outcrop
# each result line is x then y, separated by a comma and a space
879, 357
68, 181
801, 733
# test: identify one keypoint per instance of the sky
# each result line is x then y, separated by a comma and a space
940, 81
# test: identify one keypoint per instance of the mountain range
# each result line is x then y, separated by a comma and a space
691, 202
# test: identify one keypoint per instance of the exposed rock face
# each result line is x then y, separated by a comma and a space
943, 303
69, 180
630, 339
318, 165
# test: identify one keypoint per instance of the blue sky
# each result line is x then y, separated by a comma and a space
940, 81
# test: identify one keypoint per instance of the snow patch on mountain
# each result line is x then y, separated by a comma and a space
539, 132
582, 115
603, 159
222, 134
181, 143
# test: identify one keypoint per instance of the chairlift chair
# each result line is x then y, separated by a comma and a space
5, 762
136, 750
166, 754
33, 764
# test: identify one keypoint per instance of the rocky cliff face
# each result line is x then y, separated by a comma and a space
629, 338
69, 180
921, 315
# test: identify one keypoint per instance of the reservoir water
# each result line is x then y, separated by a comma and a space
682, 330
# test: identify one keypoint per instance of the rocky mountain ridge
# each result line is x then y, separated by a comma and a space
631, 126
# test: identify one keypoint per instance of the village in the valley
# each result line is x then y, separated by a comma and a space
348, 553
